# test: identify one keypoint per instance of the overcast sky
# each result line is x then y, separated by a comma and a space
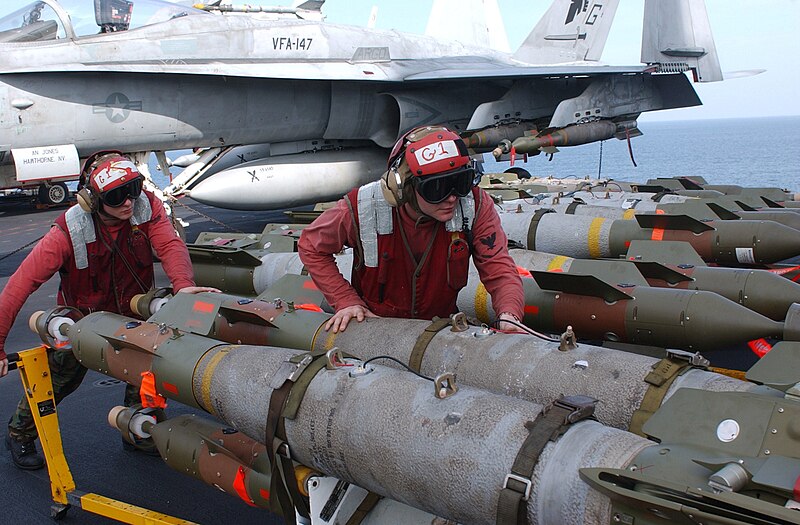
750, 34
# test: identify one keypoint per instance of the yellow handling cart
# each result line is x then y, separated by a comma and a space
35, 375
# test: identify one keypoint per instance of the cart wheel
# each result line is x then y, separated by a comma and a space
57, 512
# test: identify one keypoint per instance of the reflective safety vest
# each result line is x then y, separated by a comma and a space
100, 276
385, 274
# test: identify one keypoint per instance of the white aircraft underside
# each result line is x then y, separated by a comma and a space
185, 78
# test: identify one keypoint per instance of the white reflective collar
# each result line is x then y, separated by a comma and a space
81, 227
375, 218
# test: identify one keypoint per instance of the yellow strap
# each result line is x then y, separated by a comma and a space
208, 375
593, 238
415, 359
482, 303
736, 374
660, 379
559, 262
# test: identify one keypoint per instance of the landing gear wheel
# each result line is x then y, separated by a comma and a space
53, 194
521, 173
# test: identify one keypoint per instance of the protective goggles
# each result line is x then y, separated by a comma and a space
436, 188
117, 197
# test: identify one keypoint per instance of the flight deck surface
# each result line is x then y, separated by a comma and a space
93, 449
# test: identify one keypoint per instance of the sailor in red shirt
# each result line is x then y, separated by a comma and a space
103, 251
412, 234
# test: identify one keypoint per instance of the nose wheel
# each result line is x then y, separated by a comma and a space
53, 194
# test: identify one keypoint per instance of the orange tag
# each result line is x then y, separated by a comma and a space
238, 486
523, 272
206, 308
760, 347
150, 396
658, 234
309, 306
783, 271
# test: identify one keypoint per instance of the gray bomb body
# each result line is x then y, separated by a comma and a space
631, 313
726, 242
515, 365
523, 366
386, 431
695, 208
654, 316
759, 290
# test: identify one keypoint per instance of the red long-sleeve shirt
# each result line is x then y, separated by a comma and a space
334, 229
55, 250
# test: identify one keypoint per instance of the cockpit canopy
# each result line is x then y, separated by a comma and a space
43, 20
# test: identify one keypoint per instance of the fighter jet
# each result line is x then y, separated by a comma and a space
146, 76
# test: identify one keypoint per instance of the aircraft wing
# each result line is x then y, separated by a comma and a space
493, 70
247, 47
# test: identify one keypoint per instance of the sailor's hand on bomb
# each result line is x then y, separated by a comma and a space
510, 324
3, 367
199, 289
340, 319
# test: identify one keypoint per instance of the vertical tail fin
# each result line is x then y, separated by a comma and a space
570, 30
677, 37
471, 22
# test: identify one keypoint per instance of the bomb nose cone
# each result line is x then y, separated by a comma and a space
776, 242
770, 294
716, 323
791, 327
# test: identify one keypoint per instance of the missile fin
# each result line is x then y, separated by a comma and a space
723, 213
608, 270
779, 368
651, 188
744, 206
299, 289
656, 270
229, 240
689, 183
119, 344
667, 252
672, 222
215, 447
202, 310
222, 255
588, 285
771, 203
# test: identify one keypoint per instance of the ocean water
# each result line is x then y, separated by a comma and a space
747, 152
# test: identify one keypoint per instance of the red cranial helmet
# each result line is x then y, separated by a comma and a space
112, 171
422, 153
108, 177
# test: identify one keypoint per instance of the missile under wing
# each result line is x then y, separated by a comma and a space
145, 75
